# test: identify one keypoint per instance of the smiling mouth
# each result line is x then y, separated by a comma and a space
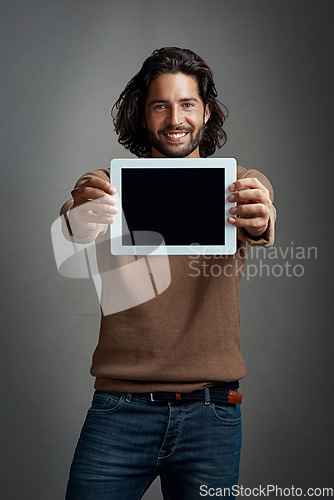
175, 136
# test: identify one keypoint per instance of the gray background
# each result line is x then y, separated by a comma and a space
63, 65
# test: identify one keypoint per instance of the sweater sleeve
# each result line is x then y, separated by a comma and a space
65, 209
268, 237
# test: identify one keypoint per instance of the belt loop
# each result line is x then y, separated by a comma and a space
207, 396
128, 397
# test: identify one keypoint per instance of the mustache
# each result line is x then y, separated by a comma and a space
175, 129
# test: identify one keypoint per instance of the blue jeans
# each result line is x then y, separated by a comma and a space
127, 441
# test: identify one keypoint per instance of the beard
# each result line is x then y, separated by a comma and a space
176, 150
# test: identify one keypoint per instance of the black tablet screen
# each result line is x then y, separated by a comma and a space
184, 205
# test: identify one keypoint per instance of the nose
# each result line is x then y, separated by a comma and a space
175, 116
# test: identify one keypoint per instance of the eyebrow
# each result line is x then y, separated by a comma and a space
164, 101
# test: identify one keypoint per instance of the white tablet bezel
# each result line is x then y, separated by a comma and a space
116, 229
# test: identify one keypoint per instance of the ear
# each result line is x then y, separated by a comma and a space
207, 112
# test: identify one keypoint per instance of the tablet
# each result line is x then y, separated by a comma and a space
173, 206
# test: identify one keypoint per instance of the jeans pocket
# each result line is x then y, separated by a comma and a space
106, 402
229, 414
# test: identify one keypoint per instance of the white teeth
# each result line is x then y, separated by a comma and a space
176, 136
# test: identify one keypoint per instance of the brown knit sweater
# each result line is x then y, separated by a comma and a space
184, 339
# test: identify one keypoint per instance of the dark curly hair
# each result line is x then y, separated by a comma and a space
128, 111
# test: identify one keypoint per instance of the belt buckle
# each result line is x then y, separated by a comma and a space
155, 400
177, 397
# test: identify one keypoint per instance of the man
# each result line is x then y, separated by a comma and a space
167, 371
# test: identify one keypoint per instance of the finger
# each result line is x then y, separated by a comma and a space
255, 195
251, 223
102, 184
91, 189
246, 183
102, 208
100, 203
87, 193
95, 207
84, 218
250, 210
100, 218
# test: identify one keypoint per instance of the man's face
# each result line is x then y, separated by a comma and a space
175, 116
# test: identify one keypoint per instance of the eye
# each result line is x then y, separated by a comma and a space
188, 105
160, 106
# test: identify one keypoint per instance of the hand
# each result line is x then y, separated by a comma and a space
94, 204
253, 208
